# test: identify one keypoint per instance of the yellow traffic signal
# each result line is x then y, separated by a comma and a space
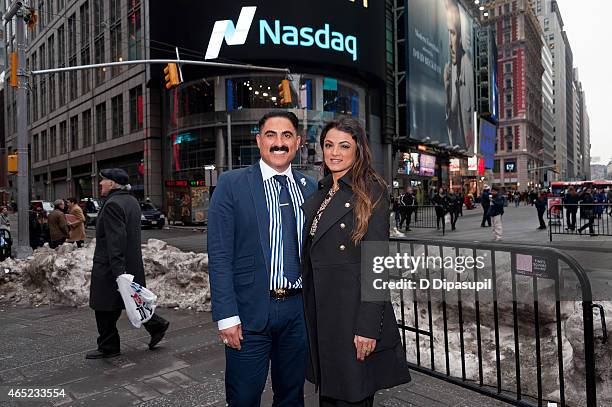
171, 76
12, 163
284, 92
13, 62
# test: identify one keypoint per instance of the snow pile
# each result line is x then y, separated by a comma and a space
572, 337
62, 276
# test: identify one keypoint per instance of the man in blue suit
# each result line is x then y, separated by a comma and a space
254, 241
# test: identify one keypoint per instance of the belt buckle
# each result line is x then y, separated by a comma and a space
280, 293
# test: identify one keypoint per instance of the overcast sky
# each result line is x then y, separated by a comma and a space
589, 28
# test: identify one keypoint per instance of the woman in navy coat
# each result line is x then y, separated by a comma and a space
354, 343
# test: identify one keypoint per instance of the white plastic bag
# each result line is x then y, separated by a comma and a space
139, 301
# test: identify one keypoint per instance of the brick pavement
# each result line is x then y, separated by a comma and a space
45, 347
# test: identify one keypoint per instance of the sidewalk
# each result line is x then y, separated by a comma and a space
45, 348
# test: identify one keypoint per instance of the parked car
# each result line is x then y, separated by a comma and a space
151, 216
90, 207
45, 205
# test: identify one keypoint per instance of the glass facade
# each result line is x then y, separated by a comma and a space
198, 112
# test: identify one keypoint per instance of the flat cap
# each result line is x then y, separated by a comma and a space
115, 174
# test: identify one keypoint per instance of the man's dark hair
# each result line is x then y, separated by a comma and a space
279, 113
72, 200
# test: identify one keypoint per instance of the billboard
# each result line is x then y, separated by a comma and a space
488, 138
348, 36
439, 53
409, 164
427, 165
454, 165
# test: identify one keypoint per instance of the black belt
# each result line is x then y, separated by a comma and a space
281, 293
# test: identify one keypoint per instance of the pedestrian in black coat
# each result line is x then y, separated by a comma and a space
587, 211
570, 202
540, 204
485, 202
354, 344
117, 252
455, 203
440, 200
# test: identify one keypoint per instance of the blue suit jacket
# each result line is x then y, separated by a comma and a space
239, 246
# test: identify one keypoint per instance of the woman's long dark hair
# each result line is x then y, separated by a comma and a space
364, 175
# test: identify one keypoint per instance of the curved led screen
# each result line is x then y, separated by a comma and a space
338, 35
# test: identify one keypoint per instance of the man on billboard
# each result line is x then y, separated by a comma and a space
458, 82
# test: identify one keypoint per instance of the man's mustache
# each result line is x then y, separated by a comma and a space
279, 148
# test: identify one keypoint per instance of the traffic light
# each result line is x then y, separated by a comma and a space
13, 62
284, 92
486, 78
12, 163
171, 76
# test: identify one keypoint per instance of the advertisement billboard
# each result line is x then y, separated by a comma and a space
439, 53
348, 36
427, 165
454, 165
472, 163
409, 164
488, 138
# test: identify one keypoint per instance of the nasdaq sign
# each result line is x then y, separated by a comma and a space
277, 33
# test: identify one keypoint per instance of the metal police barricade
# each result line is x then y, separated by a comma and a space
517, 324
579, 219
425, 217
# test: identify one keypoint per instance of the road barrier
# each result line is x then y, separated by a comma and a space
580, 219
506, 342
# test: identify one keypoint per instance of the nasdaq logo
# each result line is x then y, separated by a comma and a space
276, 33
233, 35
323, 38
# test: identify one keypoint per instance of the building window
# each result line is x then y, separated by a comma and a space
509, 113
34, 89
496, 166
43, 82
99, 25
507, 38
115, 35
508, 97
52, 142
136, 109
134, 30
74, 133
43, 145
117, 115
51, 64
508, 68
101, 122
63, 137
42, 15
99, 59
61, 62
508, 83
85, 48
60, 5
35, 148
72, 56
509, 145
87, 128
